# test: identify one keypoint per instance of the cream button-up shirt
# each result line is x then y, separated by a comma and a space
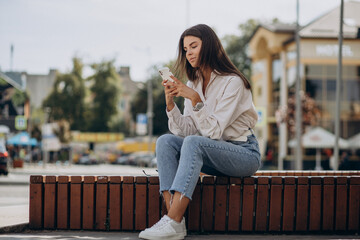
227, 114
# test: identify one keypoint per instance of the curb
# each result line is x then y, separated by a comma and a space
14, 228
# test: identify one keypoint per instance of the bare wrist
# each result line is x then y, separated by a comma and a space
170, 106
195, 99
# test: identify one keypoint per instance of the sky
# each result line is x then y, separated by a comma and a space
47, 34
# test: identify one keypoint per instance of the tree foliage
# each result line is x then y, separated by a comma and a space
236, 46
66, 100
139, 103
105, 92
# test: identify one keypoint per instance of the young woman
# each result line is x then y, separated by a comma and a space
214, 134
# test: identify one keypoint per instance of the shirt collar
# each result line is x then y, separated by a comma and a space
213, 75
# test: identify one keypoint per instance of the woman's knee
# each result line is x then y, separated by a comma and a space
164, 139
193, 140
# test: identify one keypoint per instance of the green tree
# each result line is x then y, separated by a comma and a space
236, 46
66, 100
139, 104
105, 93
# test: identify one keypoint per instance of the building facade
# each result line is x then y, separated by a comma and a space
273, 54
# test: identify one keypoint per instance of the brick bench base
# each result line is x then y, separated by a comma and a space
267, 202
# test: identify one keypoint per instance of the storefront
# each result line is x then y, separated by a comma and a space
273, 54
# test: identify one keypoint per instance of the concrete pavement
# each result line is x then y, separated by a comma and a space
131, 235
22, 175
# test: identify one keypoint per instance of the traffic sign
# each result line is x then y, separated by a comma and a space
20, 122
261, 112
141, 124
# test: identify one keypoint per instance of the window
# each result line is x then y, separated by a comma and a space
321, 85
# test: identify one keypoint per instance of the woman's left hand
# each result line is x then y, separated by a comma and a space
181, 90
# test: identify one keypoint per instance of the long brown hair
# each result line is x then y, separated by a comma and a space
212, 55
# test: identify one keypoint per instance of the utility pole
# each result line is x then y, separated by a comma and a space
47, 111
187, 13
298, 121
150, 111
338, 89
11, 57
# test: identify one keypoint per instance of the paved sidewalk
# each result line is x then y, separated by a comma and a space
14, 215
131, 235
18, 176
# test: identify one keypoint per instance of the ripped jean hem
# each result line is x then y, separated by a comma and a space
172, 192
183, 194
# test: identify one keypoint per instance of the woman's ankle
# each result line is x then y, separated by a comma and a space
175, 218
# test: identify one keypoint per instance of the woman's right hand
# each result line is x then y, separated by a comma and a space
169, 97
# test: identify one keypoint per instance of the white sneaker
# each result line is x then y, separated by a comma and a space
165, 228
183, 226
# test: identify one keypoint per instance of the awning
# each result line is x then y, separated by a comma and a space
354, 142
22, 139
319, 138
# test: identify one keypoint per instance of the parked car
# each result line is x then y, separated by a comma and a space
143, 159
153, 163
125, 159
3, 160
87, 159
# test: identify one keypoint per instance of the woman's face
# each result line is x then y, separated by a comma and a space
192, 47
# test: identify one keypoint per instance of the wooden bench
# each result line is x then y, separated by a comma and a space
270, 201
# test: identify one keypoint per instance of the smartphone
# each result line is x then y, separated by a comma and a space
165, 74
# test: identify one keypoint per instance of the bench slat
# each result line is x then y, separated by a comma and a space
154, 201
234, 204
49, 202
88, 203
248, 204
275, 204
36, 204
302, 207
140, 203
354, 204
315, 204
289, 205
101, 203
128, 203
207, 203
341, 204
115, 203
194, 209
262, 200
328, 204
75, 202
220, 203
62, 202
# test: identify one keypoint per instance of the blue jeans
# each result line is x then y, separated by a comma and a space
180, 160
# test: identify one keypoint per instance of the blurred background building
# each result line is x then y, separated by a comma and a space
273, 54
129, 90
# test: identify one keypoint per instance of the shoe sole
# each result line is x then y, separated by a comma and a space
144, 236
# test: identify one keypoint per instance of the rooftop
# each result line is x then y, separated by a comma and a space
327, 25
